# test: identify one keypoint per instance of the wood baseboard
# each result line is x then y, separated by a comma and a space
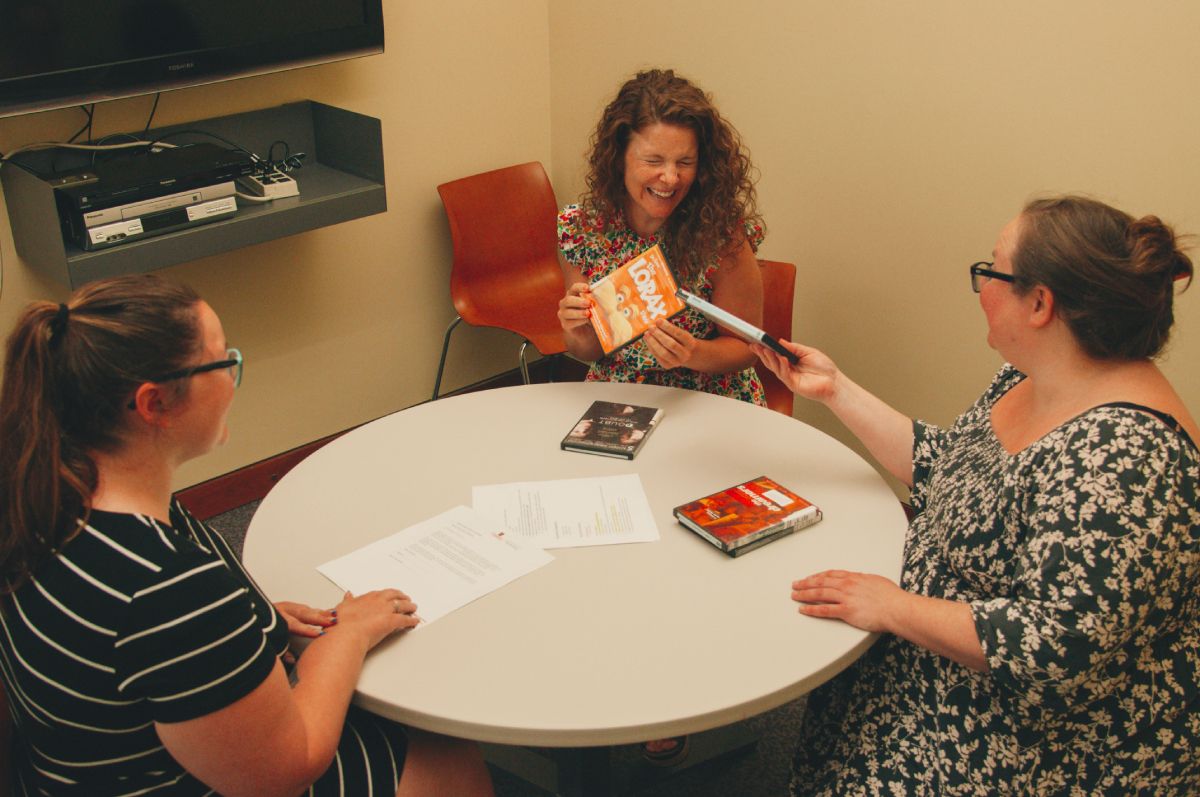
251, 483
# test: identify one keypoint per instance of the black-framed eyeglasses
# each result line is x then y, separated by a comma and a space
232, 363
982, 269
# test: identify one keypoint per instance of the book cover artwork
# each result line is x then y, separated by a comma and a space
628, 301
747, 515
612, 429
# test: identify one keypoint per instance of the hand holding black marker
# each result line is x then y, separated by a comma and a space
726, 320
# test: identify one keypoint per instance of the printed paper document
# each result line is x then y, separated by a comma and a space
567, 513
441, 563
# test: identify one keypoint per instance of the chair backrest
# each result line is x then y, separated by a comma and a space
779, 290
506, 272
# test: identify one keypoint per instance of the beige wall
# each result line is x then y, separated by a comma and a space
894, 140
344, 324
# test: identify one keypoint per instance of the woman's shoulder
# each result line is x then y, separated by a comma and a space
1003, 381
140, 534
755, 234
576, 226
1129, 425
142, 547
752, 234
572, 229
570, 215
1118, 447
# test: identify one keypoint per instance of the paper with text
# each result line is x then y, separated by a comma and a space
442, 563
567, 513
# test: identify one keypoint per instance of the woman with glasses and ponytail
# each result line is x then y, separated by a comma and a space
136, 655
1045, 635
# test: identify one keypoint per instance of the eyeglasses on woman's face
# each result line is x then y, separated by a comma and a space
984, 269
232, 363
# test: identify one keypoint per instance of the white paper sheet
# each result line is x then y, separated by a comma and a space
568, 513
442, 563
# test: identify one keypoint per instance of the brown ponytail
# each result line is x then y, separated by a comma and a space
69, 372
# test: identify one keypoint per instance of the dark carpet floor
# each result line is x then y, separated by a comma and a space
762, 771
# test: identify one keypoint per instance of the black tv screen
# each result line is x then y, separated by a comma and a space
58, 53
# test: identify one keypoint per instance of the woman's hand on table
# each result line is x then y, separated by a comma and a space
377, 614
672, 346
303, 620
877, 604
862, 600
575, 308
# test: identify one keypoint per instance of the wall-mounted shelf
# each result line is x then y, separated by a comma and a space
342, 179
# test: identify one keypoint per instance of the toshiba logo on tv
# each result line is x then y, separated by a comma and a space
181, 67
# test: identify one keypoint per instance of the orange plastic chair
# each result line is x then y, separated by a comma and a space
506, 272
779, 290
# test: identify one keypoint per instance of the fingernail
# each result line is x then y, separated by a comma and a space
322, 632
333, 612
334, 621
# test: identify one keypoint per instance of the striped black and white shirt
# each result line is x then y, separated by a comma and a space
133, 623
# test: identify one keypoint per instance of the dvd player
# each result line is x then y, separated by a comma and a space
126, 178
145, 207
128, 194
105, 235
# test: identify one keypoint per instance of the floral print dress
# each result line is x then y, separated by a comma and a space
596, 250
1080, 558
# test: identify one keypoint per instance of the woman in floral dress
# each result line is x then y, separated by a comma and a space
1045, 635
666, 169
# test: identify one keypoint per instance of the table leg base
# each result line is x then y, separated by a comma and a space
590, 771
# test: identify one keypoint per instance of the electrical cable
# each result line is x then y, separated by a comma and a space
88, 110
154, 108
41, 145
103, 141
255, 158
257, 200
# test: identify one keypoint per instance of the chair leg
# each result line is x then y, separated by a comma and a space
524, 364
437, 383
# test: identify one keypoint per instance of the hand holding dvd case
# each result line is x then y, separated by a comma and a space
629, 300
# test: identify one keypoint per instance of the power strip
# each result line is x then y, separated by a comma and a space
272, 185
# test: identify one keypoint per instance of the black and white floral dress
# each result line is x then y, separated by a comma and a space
1080, 559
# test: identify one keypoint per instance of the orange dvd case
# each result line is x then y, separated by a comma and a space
747, 515
630, 299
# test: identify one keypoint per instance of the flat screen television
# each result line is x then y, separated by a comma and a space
59, 53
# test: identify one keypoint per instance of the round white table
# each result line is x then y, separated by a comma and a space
609, 644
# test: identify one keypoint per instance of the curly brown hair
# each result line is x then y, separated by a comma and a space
711, 220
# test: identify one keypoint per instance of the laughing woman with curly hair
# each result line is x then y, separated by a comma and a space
665, 168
